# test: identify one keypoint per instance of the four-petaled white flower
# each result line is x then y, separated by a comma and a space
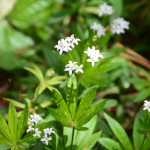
35, 118
48, 131
71, 66
30, 129
99, 28
119, 25
146, 105
93, 54
46, 139
31, 122
37, 132
105, 9
78, 68
72, 40
64, 45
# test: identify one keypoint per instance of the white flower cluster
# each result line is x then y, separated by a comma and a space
99, 28
146, 105
105, 9
34, 119
119, 25
93, 54
65, 45
73, 66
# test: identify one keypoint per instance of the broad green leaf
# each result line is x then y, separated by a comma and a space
58, 116
85, 102
72, 95
110, 144
119, 132
5, 147
22, 125
67, 136
57, 142
4, 128
30, 12
142, 95
3, 140
61, 104
81, 128
90, 113
15, 103
146, 145
81, 136
137, 141
117, 7
93, 139
12, 121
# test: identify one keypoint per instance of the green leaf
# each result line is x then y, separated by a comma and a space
90, 113
119, 132
72, 95
146, 145
22, 125
67, 136
30, 12
61, 104
81, 128
93, 139
110, 144
4, 128
12, 121
137, 141
142, 95
3, 140
58, 116
85, 102
81, 139
15, 103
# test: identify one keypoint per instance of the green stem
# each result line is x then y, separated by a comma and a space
70, 56
143, 141
72, 139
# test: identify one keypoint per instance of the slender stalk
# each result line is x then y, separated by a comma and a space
70, 56
143, 141
72, 139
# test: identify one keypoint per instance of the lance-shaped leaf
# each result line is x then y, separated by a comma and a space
61, 104
12, 121
92, 111
22, 125
58, 116
110, 144
85, 102
15, 103
72, 95
119, 132
3, 140
4, 128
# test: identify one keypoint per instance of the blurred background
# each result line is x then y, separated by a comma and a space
29, 30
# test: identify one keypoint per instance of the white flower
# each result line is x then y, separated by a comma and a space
35, 118
71, 66
78, 68
37, 132
30, 129
93, 54
72, 40
48, 131
99, 28
105, 9
146, 105
31, 122
119, 25
63, 46
46, 139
